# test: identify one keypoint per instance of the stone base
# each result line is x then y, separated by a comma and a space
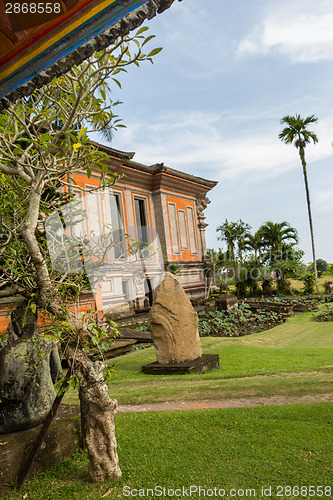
205, 363
61, 441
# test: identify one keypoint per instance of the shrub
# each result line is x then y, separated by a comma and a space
309, 284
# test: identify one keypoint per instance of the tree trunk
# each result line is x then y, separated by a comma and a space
302, 156
97, 417
98, 409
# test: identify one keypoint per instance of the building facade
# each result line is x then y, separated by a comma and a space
156, 205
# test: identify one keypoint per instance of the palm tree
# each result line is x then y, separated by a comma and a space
296, 133
275, 236
254, 242
233, 232
228, 234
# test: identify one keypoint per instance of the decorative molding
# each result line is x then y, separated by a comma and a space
105, 38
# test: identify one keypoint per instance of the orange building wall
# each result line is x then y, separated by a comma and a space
182, 205
87, 303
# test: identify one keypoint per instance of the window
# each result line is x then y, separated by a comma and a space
126, 289
141, 220
118, 234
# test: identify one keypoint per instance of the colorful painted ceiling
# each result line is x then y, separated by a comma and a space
41, 40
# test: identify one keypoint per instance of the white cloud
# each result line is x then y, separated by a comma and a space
198, 142
301, 37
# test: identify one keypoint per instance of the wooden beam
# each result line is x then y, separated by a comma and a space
10, 27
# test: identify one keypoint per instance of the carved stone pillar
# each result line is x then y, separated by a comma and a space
201, 204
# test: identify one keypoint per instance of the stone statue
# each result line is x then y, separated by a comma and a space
29, 366
173, 324
226, 301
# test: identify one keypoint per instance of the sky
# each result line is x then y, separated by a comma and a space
212, 102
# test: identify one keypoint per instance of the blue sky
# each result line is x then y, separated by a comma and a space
211, 105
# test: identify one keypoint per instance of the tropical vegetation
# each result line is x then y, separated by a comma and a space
269, 254
44, 138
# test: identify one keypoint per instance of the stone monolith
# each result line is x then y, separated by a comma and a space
173, 324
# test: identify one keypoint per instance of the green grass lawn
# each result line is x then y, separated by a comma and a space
239, 450
292, 359
299, 285
234, 449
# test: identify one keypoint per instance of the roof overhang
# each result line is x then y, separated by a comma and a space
31, 56
155, 177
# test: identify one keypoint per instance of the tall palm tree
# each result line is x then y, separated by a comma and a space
296, 133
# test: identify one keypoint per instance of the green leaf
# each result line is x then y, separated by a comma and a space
118, 70
142, 30
82, 132
148, 39
117, 82
45, 137
155, 51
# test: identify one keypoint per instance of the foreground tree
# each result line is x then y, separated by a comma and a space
43, 140
296, 133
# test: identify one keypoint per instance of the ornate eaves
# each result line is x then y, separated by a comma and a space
106, 37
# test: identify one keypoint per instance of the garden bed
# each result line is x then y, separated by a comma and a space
297, 304
326, 315
256, 315
238, 322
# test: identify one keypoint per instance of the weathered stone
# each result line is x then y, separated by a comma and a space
29, 366
200, 365
329, 287
226, 301
61, 441
173, 323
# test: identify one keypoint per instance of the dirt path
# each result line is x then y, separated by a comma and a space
225, 403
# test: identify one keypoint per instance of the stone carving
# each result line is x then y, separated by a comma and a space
329, 287
29, 366
202, 202
226, 301
173, 324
